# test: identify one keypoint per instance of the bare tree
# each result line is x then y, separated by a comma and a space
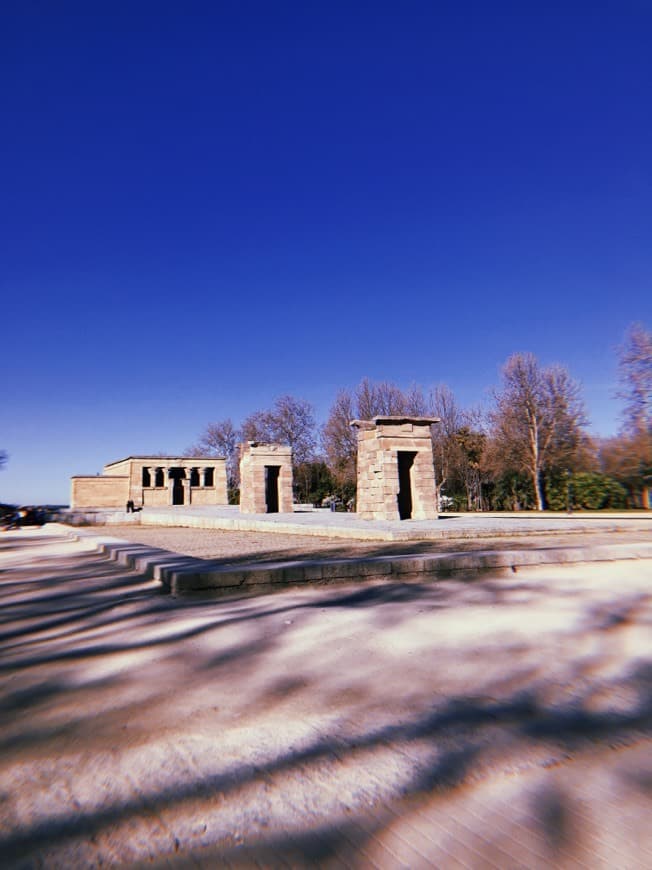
257, 427
416, 404
628, 457
294, 424
635, 371
471, 443
367, 401
221, 439
289, 421
382, 399
537, 421
339, 440
628, 460
446, 450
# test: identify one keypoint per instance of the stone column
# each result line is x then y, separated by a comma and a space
186, 486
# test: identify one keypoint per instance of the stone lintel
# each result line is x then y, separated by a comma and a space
394, 420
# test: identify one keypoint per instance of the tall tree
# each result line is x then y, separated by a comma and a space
446, 449
538, 418
339, 440
458, 446
635, 373
628, 457
471, 443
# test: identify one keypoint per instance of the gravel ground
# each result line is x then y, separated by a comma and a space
235, 547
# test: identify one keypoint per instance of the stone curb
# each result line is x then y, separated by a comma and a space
186, 575
510, 526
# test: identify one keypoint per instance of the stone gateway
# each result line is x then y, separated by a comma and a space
265, 478
396, 472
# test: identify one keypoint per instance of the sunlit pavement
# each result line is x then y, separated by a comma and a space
503, 722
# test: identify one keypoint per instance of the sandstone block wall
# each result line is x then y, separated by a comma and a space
155, 497
99, 491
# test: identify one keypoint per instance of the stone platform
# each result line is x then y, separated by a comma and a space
324, 523
592, 539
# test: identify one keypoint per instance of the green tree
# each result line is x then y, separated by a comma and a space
507, 490
585, 490
313, 481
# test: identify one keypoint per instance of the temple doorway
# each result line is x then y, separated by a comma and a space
405, 462
177, 475
271, 488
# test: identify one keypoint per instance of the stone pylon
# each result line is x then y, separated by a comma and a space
396, 472
265, 478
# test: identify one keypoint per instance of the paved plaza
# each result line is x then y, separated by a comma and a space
494, 720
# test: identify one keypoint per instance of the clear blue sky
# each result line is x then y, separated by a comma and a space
206, 205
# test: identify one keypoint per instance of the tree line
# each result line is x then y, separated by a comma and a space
529, 450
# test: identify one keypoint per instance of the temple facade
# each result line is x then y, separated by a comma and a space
153, 481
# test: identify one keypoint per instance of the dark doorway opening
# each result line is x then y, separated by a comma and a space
177, 475
271, 488
405, 462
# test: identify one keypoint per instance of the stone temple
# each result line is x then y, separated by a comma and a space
153, 481
396, 471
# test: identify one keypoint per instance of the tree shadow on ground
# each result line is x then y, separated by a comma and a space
456, 739
520, 717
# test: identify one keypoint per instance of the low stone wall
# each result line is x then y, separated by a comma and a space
184, 575
99, 491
